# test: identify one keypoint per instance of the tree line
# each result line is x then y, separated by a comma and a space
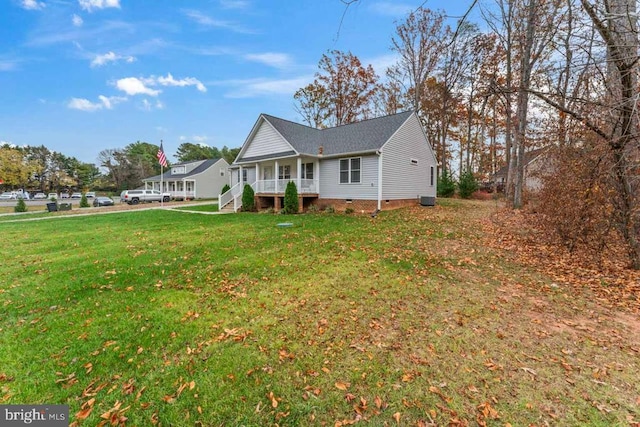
559, 74
36, 168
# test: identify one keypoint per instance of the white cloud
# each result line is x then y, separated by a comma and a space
170, 81
272, 59
200, 140
100, 60
147, 105
8, 64
135, 86
32, 5
391, 9
251, 88
90, 5
207, 21
109, 102
77, 21
83, 104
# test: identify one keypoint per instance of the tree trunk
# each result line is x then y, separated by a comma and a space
526, 65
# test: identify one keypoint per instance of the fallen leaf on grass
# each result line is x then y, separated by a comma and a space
274, 400
342, 385
84, 413
396, 417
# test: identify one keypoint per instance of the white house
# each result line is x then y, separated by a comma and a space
373, 164
200, 179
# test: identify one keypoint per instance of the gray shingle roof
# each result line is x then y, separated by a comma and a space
206, 164
364, 136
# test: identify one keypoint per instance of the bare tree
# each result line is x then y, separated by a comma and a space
341, 93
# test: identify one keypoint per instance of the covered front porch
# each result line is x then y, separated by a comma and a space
181, 189
269, 181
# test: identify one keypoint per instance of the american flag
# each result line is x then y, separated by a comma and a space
162, 159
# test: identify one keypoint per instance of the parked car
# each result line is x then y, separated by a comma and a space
90, 195
102, 201
76, 196
133, 197
39, 196
53, 196
64, 195
24, 195
8, 195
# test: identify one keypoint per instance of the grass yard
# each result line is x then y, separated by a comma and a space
167, 318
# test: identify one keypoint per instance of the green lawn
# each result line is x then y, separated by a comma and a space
176, 319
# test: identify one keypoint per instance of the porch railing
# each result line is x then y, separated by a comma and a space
225, 198
269, 186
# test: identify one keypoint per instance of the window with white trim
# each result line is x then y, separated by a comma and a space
284, 172
350, 170
178, 170
307, 171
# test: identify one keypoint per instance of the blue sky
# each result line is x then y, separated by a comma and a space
80, 76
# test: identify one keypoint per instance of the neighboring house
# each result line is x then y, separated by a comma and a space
373, 164
201, 179
536, 162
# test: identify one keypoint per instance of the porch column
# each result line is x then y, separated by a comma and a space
276, 173
299, 176
316, 175
257, 177
194, 189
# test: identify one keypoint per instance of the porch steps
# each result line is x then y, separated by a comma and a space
228, 208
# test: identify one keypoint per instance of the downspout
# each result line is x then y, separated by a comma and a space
379, 153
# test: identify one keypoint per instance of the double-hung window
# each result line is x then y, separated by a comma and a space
350, 170
307, 171
284, 172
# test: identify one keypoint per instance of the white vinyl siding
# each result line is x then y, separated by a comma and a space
266, 141
367, 189
407, 160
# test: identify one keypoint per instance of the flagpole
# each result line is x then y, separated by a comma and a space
161, 181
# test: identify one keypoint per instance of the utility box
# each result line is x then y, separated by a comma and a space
52, 207
427, 201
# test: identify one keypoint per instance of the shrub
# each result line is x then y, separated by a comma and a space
21, 206
446, 185
576, 198
84, 203
467, 185
225, 189
248, 199
291, 198
349, 211
313, 208
330, 209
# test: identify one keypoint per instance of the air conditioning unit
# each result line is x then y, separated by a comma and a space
427, 201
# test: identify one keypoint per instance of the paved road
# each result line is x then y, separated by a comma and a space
38, 207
